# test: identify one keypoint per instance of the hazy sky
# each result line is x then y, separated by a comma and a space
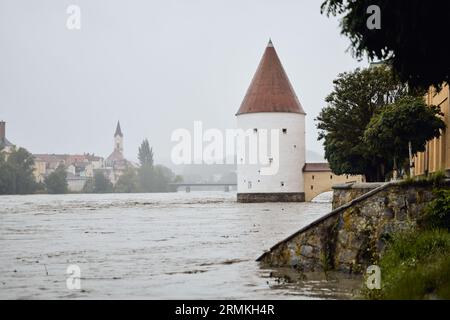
155, 65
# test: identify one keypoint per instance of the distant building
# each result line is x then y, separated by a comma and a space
116, 163
82, 167
437, 153
319, 178
271, 103
79, 167
5, 145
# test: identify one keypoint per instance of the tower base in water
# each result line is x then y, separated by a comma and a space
271, 197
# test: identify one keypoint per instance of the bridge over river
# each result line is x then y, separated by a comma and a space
188, 186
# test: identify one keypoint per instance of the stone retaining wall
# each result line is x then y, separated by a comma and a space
352, 236
346, 192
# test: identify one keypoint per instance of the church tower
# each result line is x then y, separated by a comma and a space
118, 139
271, 105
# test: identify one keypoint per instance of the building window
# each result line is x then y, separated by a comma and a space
282, 183
295, 146
255, 130
313, 177
249, 185
331, 176
284, 131
312, 187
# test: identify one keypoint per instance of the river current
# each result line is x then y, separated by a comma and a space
198, 245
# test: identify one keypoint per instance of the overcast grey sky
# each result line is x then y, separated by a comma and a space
156, 65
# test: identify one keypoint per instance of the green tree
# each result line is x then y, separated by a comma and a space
16, 172
88, 186
355, 98
145, 154
163, 176
102, 183
56, 182
146, 178
408, 120
7, 176
146, 172
127, 182
99, 183
410, 36
152, 178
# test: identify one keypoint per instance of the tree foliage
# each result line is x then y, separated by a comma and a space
437, 212
407, 120
354, 100
145, 154
128, 182
16, 172
56, 182
150, 177
98, 184
410, 37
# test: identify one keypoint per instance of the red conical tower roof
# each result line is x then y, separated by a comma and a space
270, 90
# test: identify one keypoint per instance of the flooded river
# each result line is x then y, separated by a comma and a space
198, 245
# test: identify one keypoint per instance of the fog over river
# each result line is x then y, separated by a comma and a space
198, 245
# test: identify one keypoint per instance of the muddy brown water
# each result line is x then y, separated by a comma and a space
198, 245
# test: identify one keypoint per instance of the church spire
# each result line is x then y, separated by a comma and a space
118, 130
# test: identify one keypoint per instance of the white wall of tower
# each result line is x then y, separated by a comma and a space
289, 177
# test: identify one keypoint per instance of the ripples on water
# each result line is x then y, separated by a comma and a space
199, 245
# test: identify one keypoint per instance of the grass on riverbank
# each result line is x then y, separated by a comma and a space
416, 264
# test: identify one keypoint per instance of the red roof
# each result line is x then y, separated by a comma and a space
270, 89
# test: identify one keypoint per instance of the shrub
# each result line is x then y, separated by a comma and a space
437, 213
435, 180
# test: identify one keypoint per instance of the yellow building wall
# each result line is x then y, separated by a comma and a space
437, 154
317, 182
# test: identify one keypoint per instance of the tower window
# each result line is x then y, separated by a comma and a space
284, 131
282, 183
312, 187
313, 177
331, 176
255, 130
249, 185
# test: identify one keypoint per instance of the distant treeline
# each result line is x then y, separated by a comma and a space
16, 176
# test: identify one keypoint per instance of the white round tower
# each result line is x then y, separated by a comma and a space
272, 115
